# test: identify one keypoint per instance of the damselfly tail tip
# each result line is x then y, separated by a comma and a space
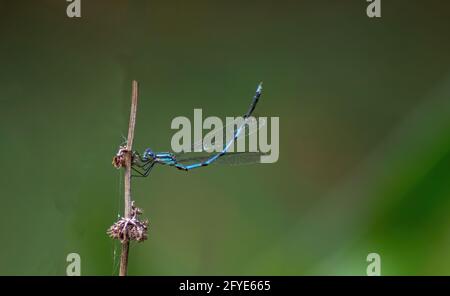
259, 89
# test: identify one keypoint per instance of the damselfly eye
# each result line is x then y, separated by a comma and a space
148, 153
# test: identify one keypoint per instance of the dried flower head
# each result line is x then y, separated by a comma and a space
129, 229
119, 159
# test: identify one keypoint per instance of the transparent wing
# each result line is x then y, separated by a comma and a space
235, 158
227, 132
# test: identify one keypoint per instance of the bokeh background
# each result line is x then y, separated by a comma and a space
364, 107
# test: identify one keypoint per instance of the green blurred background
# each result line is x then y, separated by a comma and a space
364, 113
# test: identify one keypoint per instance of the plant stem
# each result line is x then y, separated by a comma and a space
127, 181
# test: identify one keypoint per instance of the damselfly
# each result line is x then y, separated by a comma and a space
142, 164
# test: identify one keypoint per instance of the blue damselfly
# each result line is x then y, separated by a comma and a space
143, 163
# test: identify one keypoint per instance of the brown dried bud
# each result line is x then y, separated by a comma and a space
119, 159
129, 229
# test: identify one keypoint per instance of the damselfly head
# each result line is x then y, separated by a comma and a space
149, 154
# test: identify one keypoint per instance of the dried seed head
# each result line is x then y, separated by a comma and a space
129, 229
119, 159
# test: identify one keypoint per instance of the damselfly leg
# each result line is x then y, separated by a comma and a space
142, 165
145, 170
